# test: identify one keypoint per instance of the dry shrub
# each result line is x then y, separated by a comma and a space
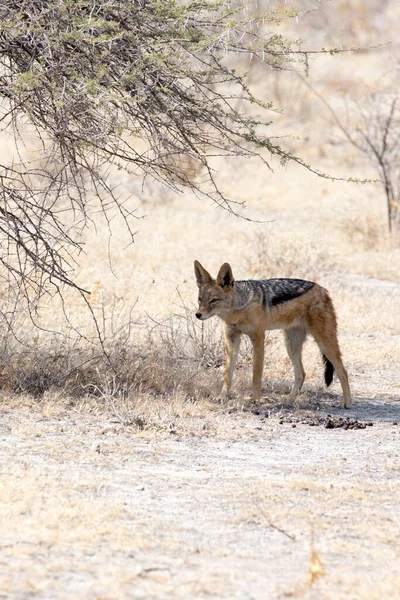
288, 257
178, 354
365, 231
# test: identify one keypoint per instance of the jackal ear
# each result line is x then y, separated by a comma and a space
202, 276
225, 276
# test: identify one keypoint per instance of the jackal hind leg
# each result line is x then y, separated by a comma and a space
294, 340
326, 337
232, 344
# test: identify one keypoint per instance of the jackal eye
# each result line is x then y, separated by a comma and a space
214, 300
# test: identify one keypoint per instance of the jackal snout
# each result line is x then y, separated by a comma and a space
203, 316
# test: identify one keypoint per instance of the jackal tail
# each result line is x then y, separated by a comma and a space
329, 370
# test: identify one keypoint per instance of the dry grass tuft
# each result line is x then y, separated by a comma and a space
289, 257
315, 567
365, 231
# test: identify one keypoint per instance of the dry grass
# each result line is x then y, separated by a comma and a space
301, 258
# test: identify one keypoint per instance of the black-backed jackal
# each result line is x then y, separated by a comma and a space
251, 307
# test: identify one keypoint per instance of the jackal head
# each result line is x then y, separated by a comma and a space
215, 295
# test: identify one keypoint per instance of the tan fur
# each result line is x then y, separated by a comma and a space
312, 312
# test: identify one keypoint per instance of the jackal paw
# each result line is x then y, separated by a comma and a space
293, 400
255, 399
223, 396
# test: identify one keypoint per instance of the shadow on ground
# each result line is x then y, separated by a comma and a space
321, 404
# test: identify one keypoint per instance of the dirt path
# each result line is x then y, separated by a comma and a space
91, 509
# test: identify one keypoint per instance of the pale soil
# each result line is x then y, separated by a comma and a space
209, 504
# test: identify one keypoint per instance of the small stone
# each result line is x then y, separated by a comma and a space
294, 425
394, 422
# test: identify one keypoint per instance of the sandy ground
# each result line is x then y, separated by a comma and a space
223, 504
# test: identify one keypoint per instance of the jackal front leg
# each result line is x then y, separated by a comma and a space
232, 343
258, 363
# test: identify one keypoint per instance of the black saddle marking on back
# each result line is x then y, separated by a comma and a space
283, 290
